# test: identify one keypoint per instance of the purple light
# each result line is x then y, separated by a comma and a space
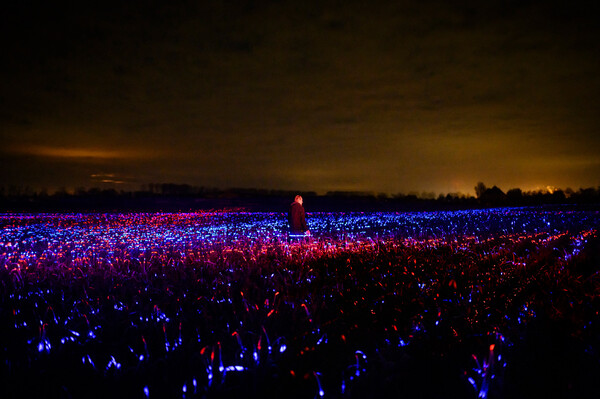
187, 266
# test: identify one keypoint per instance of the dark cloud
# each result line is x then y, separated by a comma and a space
384, 96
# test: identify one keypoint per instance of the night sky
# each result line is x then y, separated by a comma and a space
384, 96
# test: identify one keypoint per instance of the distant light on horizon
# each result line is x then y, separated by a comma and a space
64, 152
91, 152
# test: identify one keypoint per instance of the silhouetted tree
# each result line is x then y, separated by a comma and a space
558, 197
569, 192
515, 196
480, 189
587, 194
493, 196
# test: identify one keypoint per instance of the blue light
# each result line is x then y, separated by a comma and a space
80, 245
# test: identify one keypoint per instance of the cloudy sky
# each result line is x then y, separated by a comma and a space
385, 96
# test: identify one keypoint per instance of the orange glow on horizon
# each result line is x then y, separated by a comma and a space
73, 152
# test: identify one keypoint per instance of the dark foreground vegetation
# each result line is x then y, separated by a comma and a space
495, 303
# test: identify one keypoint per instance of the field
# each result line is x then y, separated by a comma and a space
482, 303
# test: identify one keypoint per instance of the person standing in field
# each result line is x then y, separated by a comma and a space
297, 218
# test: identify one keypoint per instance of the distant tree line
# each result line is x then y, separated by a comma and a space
172, 197
494, 196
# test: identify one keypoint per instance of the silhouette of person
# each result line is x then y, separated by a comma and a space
297, 218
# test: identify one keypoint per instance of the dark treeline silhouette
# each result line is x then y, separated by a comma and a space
514, 197
185, 197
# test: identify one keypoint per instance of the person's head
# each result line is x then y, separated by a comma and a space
298, 199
